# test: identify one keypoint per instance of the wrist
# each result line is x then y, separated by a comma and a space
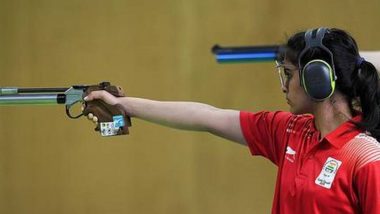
122, 103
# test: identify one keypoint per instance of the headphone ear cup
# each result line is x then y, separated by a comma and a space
318, 79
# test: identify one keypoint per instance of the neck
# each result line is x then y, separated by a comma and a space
330, 114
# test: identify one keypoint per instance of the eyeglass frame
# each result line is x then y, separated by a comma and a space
283, 80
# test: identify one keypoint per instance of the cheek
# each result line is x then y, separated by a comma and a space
295, 87
298, 93
302, 102
301, 93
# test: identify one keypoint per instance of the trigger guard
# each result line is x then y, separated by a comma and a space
69, 114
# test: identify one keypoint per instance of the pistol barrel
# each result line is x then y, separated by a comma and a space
29, 99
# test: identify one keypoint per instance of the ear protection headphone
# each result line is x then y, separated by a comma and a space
317, 76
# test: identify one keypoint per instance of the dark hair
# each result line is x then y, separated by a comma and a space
356, 79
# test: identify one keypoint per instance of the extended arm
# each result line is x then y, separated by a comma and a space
181, 115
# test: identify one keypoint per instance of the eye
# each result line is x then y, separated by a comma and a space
287, 72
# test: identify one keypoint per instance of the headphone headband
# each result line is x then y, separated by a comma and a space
314, 38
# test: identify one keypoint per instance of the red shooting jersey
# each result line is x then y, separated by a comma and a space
337, 174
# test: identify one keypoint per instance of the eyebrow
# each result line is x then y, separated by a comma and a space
289, 67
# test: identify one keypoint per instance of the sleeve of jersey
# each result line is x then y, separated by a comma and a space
265, 133
368, 187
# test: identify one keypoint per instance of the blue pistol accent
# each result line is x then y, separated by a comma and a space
118, 121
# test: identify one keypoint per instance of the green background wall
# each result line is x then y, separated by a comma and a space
153, 49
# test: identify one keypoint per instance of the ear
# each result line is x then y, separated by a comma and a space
318, 79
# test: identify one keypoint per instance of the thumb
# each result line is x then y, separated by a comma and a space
101, 95
94, 95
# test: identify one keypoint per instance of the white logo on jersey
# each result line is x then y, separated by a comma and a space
328, 172
290, 154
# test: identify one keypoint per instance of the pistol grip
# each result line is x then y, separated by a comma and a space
112, 119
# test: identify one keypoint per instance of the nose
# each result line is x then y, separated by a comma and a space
284, 89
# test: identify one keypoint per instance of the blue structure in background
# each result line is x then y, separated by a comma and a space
245, 54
